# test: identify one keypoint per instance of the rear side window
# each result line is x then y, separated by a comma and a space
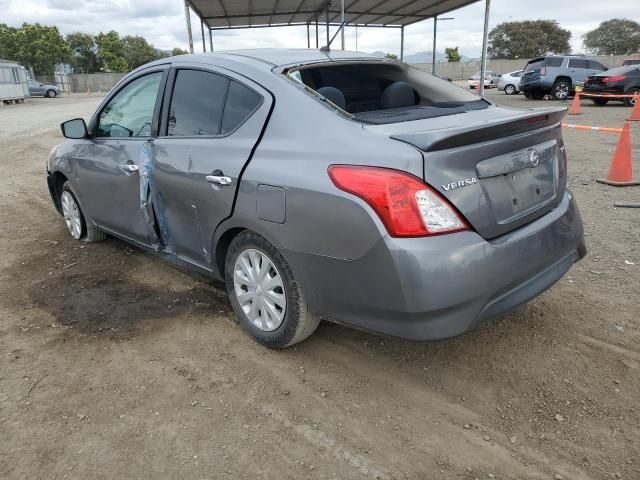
593, 65
205, 103
578, 63
240, 105
197, 103
553, 62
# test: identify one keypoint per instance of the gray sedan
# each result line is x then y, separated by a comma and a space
331, 186
39, 89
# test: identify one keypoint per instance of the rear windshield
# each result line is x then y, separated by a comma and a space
533, 64
384, 92
620, 70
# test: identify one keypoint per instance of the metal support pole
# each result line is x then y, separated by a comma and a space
317, 36
356, 37
342, 21
308, 36
204, 45
483, 66
211, 40
433, 53
402, 44
328, 39
187, 15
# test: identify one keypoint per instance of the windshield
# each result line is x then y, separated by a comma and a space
385, 92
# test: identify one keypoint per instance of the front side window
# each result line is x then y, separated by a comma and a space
130, 112
205, 103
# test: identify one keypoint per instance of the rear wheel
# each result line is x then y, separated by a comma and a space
50, 93
266, 298
510, 90
600, 101
561, 89
631, 101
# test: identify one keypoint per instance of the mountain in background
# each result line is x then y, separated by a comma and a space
423, 57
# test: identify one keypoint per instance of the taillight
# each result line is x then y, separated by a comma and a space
617, 78
543, 71
406, 205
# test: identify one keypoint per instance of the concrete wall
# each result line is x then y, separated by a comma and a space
94, 82
462, 71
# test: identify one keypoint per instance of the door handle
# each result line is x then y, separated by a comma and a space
129, 167
219, 179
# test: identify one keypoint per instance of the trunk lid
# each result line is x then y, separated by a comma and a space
500, 168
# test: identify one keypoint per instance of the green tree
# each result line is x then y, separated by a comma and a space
178, 51
614, 37
392, 56
528, 39
33, 45
137, 51
8, 42
453, 55
84, 50
111, 52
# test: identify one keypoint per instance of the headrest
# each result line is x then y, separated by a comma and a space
398, 95
334, 95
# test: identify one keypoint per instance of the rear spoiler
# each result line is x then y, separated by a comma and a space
429, 141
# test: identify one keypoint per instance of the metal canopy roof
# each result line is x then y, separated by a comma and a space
229, 14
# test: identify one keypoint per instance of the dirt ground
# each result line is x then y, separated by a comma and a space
115, 365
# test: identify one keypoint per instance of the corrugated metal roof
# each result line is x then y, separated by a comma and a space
251, 13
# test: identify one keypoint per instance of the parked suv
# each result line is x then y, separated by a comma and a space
557, 75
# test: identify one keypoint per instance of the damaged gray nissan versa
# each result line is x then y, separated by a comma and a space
326, 185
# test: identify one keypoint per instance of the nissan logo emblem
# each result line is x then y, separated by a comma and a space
534, 158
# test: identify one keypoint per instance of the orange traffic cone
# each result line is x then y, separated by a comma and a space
621, 171
478, 88
635, 112
575, 105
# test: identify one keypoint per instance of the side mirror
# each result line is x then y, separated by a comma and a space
75, 129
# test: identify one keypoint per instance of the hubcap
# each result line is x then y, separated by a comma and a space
71, 214
510, 89
562, 90
259, 289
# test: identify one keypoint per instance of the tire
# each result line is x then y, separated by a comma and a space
510, 89
537, 94
279, 287
630, 102
50, 94
527, 95
600, 101
561, 89
78, 227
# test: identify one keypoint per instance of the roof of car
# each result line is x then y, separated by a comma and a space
280, 56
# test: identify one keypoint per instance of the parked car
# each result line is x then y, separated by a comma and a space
490, 80
618, 81
631, 61
510, 82
39, 89
557, 75
302, 181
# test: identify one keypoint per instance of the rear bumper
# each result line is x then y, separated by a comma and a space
538, 84
440, 287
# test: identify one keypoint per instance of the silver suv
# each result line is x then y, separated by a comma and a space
557, 75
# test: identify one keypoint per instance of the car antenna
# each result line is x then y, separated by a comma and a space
327, 47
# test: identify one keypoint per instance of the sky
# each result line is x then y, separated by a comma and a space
162, 23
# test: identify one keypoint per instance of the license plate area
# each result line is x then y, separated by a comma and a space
520, 183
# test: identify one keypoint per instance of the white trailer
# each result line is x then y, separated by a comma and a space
13, 82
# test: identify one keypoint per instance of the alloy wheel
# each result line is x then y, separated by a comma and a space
72, 215
561, 91
259, 289
509, 89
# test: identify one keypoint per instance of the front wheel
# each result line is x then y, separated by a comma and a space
266, 298
75, 220
50, 93
510, 90
631, 101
